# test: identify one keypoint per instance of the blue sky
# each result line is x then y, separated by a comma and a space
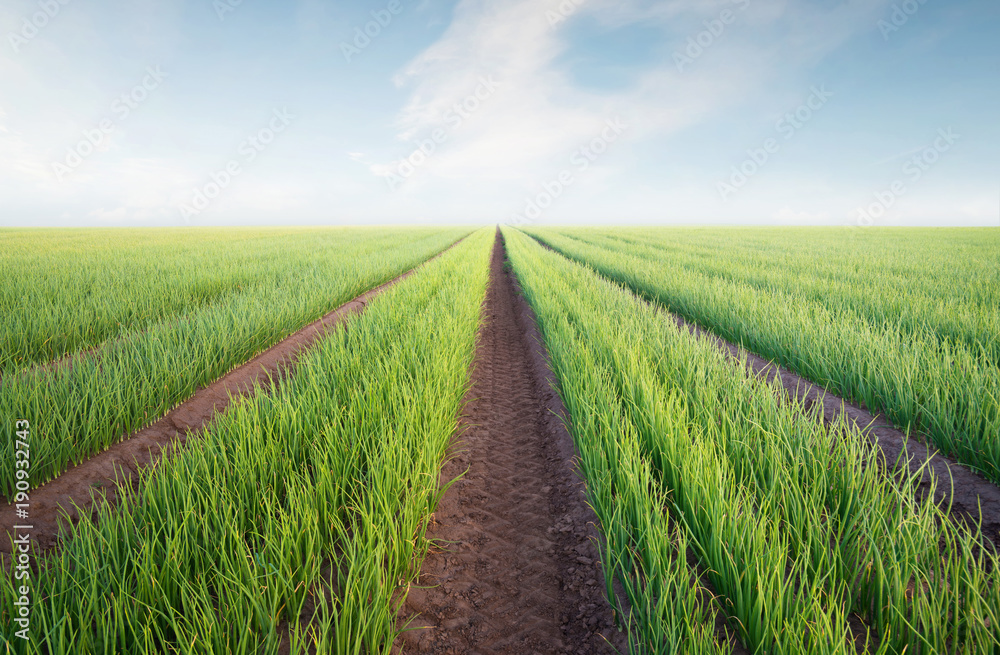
209, 112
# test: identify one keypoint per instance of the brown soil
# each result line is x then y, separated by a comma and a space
98, 477
515, 568
971, 491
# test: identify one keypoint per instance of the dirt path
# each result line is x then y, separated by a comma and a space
97, 477
971, 491
516, 571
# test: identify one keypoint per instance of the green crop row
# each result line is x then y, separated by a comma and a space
945, 282
944, 388
131, 382
295, 523
793, 524
69, 290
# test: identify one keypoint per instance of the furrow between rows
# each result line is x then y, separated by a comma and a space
75, 492
962, 492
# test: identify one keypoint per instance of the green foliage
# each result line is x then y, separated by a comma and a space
134, 379
794, 523
906, 322
297, 519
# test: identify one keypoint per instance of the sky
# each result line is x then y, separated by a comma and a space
307, 112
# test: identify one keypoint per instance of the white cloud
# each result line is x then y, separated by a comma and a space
538, 115
519, 138
534, 112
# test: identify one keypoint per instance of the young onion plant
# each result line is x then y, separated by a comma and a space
69, 290
794, 523
130, 382
934, 371
939, 280
669, 609
296, 522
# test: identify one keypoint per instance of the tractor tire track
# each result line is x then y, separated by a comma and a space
515, 569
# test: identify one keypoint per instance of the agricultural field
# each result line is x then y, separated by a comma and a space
906, 322
393, 427
104, 353
796, 533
